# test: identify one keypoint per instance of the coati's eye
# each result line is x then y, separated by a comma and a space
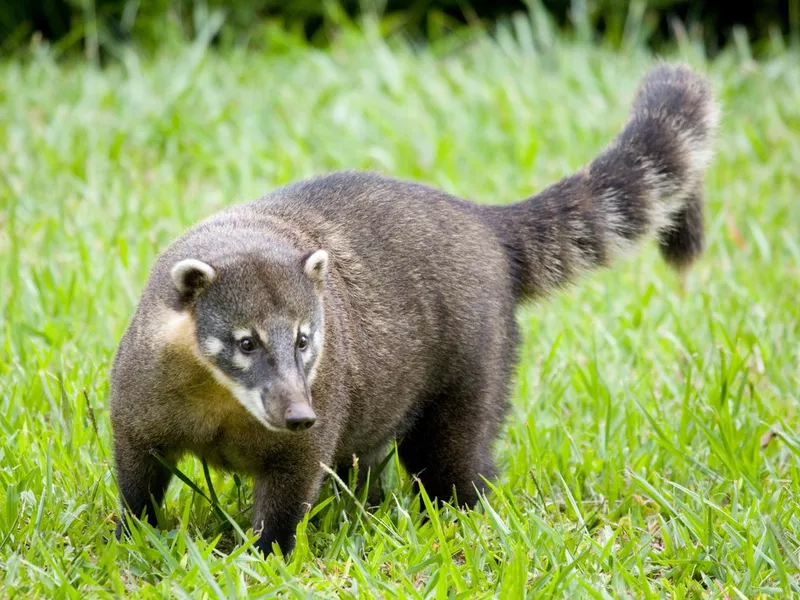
302, 342
247, 344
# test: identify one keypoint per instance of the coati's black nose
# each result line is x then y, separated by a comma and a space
299, 416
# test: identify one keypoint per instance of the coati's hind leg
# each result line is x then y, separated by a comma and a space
142, 480
450, 445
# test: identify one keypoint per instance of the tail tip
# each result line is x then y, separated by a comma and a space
677, 90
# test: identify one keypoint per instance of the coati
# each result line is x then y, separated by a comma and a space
342, 312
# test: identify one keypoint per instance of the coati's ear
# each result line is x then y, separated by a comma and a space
315, 265
192, 276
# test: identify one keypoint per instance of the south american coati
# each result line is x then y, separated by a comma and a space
339, 313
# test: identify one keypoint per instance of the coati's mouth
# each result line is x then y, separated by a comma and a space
274, 414
291, 424
288, 412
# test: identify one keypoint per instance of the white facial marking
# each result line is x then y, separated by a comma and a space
316, 342
249, 399
239, 334
213, 346
240, 361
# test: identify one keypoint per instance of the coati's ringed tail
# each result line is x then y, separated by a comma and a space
648, 182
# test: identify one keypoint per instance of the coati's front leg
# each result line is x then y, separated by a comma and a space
142, 481
281, 498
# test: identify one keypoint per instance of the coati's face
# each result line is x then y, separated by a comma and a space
259, 327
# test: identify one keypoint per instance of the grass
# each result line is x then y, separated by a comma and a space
653, 449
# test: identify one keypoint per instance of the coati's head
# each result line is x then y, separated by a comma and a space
259, 328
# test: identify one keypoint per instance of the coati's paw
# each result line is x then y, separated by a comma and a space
122, 530
264, 545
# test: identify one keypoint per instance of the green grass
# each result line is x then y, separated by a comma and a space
633, 463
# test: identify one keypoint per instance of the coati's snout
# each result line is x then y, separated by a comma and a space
259, 329
298, 416
288, 407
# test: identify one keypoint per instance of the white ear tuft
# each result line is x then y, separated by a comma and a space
316, 266
192, 276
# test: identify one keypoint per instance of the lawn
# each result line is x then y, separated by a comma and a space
653, 447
